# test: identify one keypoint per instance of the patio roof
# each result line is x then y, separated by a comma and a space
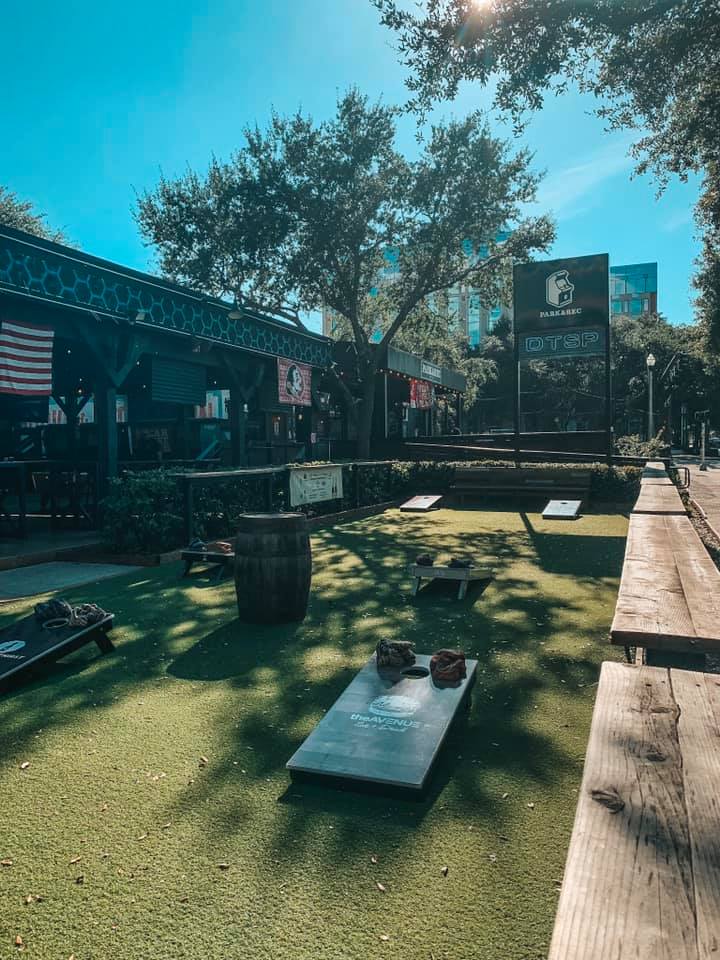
53, 273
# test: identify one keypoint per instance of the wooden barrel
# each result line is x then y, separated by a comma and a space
273, 567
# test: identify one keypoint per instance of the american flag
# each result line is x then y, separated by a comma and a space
25, 359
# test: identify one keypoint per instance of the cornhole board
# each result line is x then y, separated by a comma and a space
26, 645
562, 510
464, 575
420, 504
385, 730
222, 561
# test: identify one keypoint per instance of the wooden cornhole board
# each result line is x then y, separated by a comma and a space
562, 510
464, 575
26, 645
222, 561
384, 731
420, 504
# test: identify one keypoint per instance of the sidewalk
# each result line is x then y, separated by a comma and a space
705, 488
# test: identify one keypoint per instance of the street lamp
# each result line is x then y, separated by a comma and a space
650, 361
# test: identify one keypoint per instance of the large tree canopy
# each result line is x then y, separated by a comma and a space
21, 215
309, 214
653, 64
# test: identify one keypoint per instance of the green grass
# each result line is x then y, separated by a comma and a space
114, 745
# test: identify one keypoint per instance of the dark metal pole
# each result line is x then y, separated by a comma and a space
608, 398
516, 394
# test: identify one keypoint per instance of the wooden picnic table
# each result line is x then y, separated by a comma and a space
669, 597
642, 878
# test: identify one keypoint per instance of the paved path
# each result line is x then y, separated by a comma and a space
705, 488
49, 577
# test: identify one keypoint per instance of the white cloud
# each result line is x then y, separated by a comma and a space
677, 219
560, 193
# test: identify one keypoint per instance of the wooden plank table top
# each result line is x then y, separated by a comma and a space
656, 482
654, 468
642, 878
385, 729
669, 597
660, 499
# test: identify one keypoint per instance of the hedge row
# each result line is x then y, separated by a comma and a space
143, 512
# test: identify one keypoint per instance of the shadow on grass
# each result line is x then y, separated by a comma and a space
280, 680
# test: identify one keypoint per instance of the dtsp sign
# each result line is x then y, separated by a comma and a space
562, 343
561, 307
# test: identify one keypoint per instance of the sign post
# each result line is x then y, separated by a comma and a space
562, 309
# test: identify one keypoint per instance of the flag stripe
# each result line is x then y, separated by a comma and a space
25, 359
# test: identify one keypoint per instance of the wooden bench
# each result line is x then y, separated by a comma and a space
669, 596
660, 500
481, 481
223, 562
642, 878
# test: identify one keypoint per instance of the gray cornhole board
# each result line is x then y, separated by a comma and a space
562, 510
384, 731
420, 504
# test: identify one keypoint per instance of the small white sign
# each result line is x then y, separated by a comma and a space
314, 484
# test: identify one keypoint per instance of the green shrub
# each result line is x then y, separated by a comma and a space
142, 513
632, 446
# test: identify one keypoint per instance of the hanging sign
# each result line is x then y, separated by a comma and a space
431, 370
421, 395
314, 484
294, 383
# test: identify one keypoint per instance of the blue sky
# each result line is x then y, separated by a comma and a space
98, 98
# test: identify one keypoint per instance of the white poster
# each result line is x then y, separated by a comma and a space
313, 484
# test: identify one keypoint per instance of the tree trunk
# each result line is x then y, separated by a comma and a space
365, 414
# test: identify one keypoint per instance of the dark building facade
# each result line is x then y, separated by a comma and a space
145, 371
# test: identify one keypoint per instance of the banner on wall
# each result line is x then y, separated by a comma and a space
421, 395
294, 383
313, 484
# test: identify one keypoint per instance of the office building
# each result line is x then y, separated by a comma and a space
633, 289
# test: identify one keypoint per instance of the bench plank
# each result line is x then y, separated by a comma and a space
659, 500
698, 701
669, 597
628, 889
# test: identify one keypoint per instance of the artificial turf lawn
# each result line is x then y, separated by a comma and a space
116, 776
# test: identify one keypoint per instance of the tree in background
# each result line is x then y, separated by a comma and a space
303, 215
20, 215
654, 65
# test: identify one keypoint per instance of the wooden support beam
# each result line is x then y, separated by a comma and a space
105, 419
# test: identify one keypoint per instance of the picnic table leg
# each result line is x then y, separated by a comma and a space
219, 572
416, 586
188, 567
104, 642
462, 589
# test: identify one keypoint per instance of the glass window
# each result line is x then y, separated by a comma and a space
619, 286
617, 306
636, 306
646, 305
